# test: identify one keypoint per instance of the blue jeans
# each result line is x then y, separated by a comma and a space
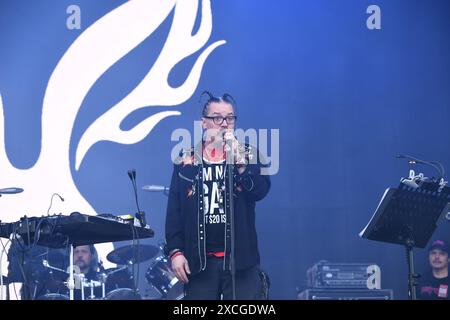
214, 282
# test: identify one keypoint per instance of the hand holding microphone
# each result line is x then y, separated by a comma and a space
237, 153
229, 140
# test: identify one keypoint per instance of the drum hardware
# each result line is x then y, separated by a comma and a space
102, 278
91, 285
80, 282
121, 278
161, 277
82, 285
119, 284
116, 284
115, 270
61, 231
76, 229
123, 294
46, 264
53, 296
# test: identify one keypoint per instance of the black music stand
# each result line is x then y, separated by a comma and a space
408, 216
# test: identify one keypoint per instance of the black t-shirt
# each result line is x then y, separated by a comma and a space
431, 288
214, 206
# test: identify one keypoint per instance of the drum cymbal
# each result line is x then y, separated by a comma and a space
12, 190
133, 254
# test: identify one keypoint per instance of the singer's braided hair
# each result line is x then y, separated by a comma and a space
211, 98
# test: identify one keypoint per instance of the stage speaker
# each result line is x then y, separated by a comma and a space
346, 294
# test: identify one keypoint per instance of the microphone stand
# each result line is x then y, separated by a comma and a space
141, 217
230, 169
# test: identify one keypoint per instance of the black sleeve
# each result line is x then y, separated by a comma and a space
252, 181
174, 216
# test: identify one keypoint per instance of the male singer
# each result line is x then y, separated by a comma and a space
198, 225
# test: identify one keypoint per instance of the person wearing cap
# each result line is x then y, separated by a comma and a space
434, 285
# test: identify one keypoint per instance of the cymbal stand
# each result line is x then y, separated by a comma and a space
82, 285
103, 287
71, 281
91, 285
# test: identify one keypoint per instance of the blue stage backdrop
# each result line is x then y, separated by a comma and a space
90, 89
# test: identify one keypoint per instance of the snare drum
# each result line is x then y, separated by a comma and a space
117, 278
119, 284
161, 276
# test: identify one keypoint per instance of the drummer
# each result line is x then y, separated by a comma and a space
85, 258
53, 285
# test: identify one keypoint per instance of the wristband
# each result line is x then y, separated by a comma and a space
178, 253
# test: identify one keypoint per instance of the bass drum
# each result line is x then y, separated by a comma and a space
123, 294
53, 296
161, 276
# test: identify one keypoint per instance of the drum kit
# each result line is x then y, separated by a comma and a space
49, 270
114, 283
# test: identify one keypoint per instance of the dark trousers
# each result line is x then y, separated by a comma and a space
214, 283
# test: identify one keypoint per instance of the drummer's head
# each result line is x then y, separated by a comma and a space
85, 257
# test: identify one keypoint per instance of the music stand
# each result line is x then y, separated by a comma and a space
409, 216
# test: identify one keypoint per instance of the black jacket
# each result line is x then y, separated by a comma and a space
185, 227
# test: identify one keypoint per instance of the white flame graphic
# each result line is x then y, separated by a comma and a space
97, 49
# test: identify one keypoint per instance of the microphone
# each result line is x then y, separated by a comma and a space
51, 201
228, 135
435, 164
228, 138
155, 188
140, 215
132, 174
